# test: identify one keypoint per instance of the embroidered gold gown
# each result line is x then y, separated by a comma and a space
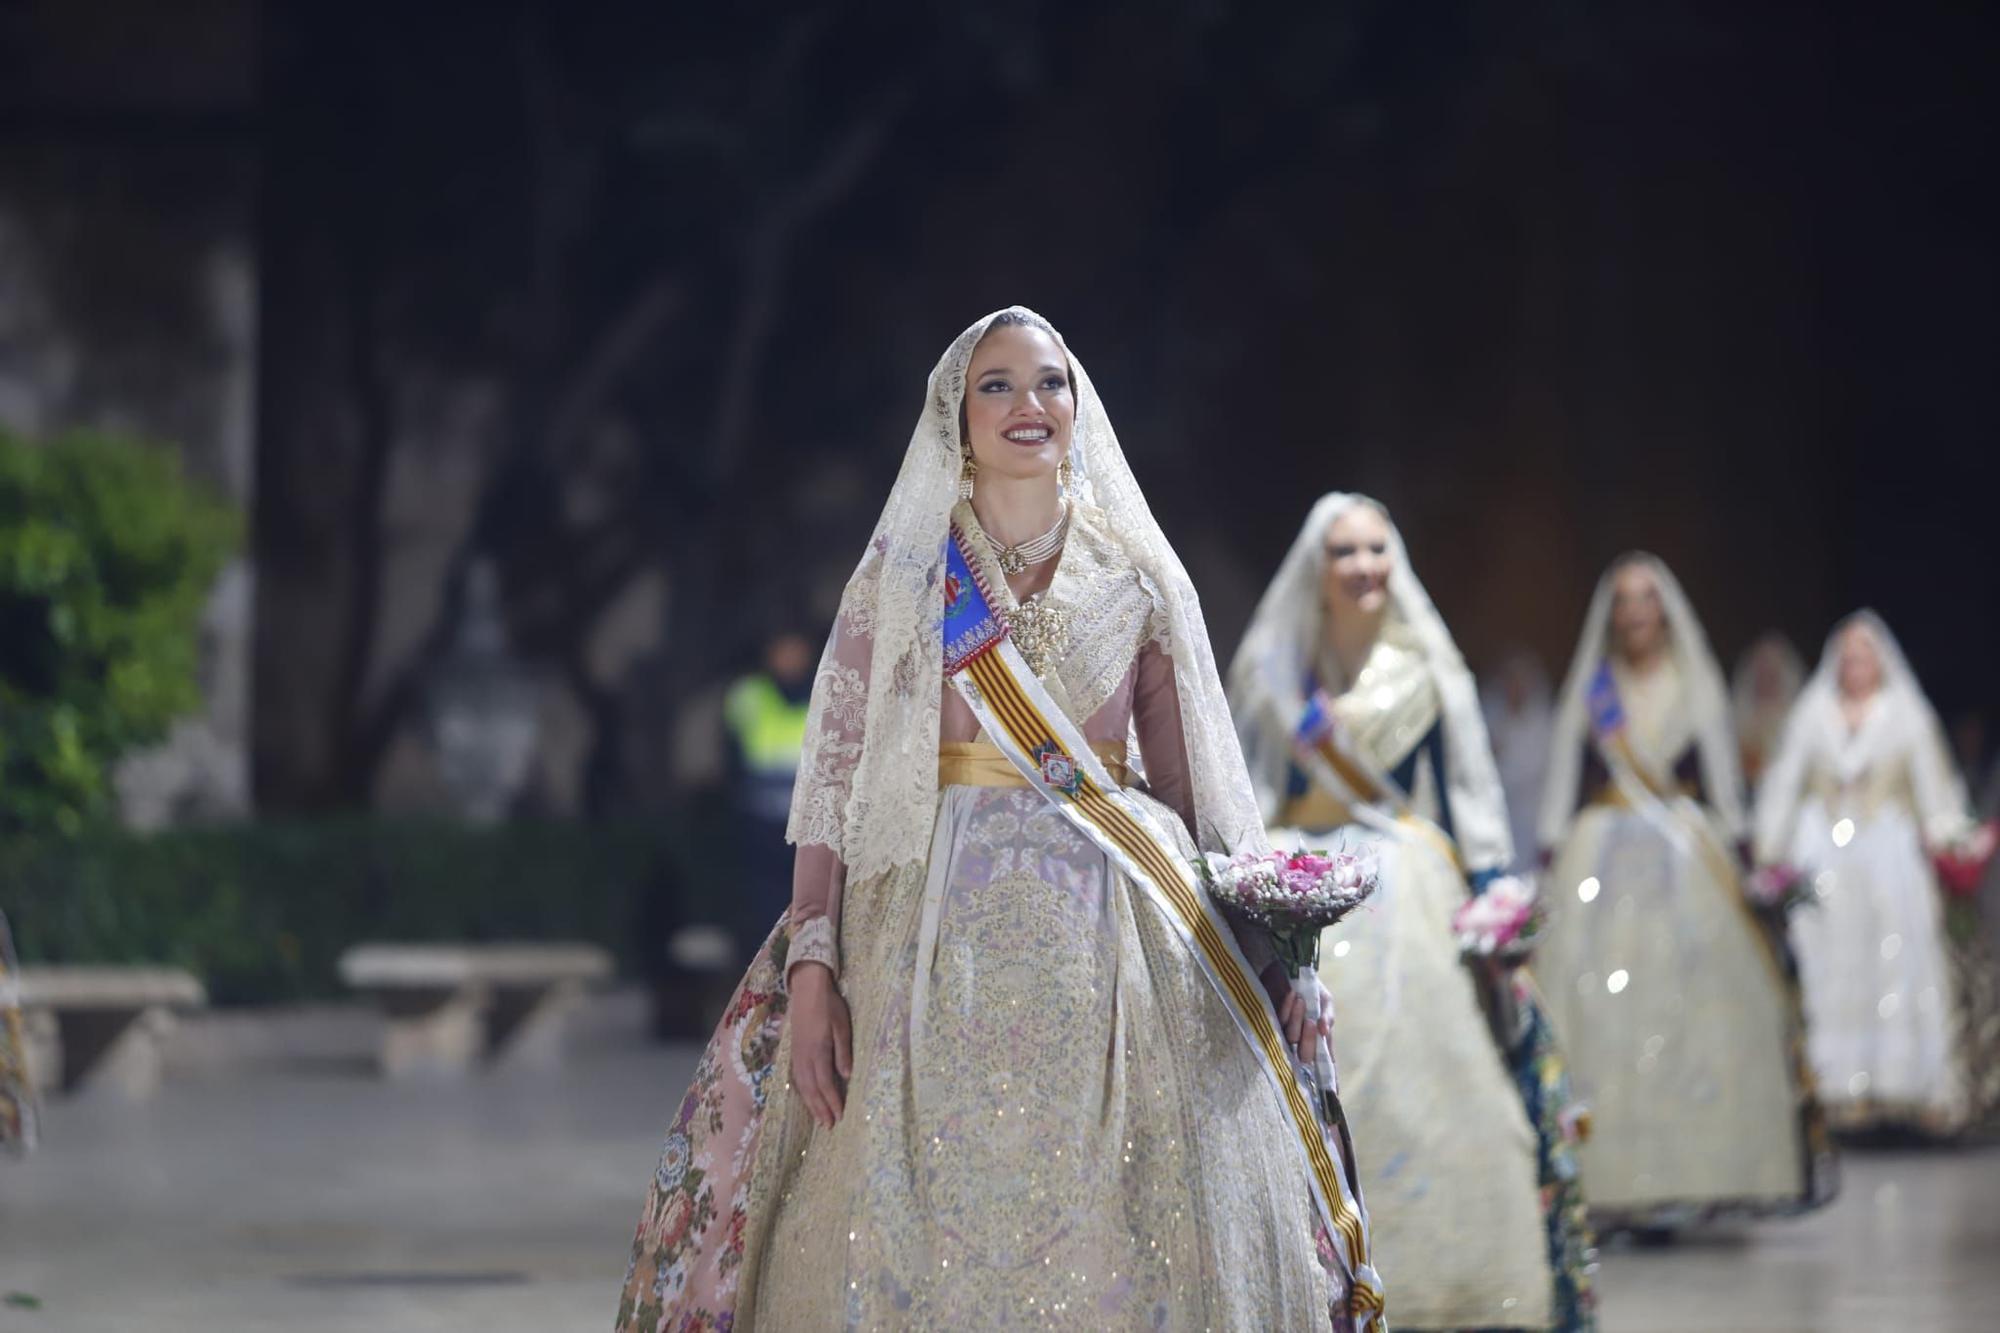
1451, 1163
1677, 1009
1052, 1121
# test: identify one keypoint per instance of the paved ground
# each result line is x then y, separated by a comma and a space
306, 1197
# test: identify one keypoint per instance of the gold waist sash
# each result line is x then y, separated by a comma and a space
1613, 796
982, 764
1315, 811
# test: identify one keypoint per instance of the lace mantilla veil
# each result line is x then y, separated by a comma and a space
1701, 678
1267, 682
867, 780
1901, 724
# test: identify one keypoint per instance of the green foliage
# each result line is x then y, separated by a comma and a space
107, 553
263, 911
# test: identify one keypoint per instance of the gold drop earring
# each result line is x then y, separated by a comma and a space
966, 472
1066, 476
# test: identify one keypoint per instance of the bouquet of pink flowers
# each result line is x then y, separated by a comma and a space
1502, 921
1780, 886
1961, 866
1294, 896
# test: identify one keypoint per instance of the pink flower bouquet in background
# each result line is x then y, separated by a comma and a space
1295, 896
1961, 866
1780, 886
1503, 921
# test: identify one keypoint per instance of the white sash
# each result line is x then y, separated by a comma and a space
1040, 740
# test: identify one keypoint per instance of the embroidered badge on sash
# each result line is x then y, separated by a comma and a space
1057, 768
970, 627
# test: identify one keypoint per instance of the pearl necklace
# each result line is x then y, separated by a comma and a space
1018, 558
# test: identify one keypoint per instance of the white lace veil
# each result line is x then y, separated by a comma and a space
1267, 684
1701, 678
867, 781
1900, 727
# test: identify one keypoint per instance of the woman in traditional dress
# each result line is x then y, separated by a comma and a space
986, 1074
1761, 693
1676, 1001
1361, 724
1862, 791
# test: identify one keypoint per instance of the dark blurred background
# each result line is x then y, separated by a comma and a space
559, 356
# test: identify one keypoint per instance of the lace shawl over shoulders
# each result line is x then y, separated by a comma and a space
867, 783
832, 746
1112, 613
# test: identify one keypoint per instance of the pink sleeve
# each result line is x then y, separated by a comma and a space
818, 875
834, 730
1156, 717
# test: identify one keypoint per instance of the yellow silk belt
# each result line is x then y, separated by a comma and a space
982, 764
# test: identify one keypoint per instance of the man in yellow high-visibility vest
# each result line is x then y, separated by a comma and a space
765, 714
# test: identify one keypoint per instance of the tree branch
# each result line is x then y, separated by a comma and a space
598, 371
765, 263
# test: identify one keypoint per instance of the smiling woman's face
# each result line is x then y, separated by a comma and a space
1859, 663
1354, 577
1020, 407
1638, 614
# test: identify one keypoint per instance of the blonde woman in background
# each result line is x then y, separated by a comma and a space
1675, 1000
1904, 1028
1449, 1073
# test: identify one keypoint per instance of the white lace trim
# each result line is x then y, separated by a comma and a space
867, 786
813, 942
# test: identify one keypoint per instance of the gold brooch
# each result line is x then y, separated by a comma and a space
1040, 629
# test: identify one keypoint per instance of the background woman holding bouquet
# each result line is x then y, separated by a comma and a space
1361, 726
1899, 988
980, 1076
1673, 995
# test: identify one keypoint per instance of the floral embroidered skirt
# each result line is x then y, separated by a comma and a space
1052, 1122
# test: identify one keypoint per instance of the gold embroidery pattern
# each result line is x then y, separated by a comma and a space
1040, 628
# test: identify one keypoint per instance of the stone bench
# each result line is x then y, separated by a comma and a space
703, 967
449, 1007
102, 1029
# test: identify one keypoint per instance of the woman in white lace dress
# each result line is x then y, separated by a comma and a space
977, 1079
1450, 1076
1675, 999
1901, 1006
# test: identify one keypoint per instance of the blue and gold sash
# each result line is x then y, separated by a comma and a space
1613, 734
1327, 755
1019, 717
1675, 814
